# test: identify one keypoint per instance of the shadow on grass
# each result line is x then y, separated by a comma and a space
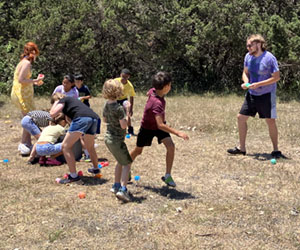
137, 199
102, 159
266, 157
2, 103
92, 181
170, 193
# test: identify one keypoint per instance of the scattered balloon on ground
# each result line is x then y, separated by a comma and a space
81, 195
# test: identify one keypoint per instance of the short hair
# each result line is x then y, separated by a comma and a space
112, 89
56, 96
70, 78
79, 77
258, 38
125, 71
161, 79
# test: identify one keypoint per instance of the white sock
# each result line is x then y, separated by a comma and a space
73, 175
86, 153
167, 175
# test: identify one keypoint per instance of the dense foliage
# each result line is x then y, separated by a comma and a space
202, 43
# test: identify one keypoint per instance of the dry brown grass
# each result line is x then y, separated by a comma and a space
227, 202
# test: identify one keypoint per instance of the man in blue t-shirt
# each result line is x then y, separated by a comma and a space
260, 75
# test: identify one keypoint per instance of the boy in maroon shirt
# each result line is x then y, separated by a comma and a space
154, 124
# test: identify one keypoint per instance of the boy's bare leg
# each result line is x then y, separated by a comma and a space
118, 173
125, 175
170, 146
128, 121
134, 153
67, 145
89, 141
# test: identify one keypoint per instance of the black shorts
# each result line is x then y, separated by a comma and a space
121, 101
145, 136
264, 105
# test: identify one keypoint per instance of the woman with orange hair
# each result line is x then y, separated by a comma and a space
22, 90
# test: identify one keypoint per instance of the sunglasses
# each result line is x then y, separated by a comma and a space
251, 44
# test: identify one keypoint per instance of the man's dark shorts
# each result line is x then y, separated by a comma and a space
145, 136
122, 101
264, 105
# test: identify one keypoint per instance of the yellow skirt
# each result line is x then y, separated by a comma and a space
22, 97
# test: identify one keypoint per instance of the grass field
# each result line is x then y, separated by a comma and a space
221, 201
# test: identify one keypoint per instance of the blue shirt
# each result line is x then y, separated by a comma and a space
84, 91
261, 68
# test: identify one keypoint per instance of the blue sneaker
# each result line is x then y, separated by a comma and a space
123, 195
114, 189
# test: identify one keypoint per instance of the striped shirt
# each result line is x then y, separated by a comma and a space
40, 118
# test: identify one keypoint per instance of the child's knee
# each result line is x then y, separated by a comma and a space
138, 150
170, 146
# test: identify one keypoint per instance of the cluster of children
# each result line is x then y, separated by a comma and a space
70, 105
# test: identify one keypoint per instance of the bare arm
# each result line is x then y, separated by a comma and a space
166, 128
131, 105
274, 78
123, 123
24, 70
56, 108
85, 97
245, 78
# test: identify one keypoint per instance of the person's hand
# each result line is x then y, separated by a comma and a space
39, 80
254, 86
243, 86
183, 135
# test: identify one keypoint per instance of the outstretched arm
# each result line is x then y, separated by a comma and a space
166, 128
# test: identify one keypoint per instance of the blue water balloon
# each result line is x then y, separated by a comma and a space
99, 166
5, 160
137, 178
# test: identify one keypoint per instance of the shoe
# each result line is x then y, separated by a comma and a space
53, 162
42, 160
277, 154
114, 189
70, 180
123, 195
34, 161
169, 181
94, 170
87, 158
236, 151
130, 130
24, 149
